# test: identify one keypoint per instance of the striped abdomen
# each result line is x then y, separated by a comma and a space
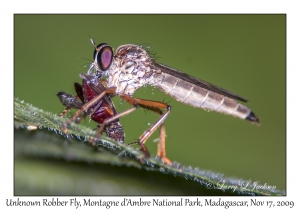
196, 96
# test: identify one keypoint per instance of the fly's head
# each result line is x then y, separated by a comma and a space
103, 57
128, 69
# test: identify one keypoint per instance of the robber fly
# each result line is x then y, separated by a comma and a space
131, 68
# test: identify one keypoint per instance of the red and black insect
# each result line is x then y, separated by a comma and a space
100, 112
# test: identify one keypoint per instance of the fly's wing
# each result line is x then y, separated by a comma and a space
197, 82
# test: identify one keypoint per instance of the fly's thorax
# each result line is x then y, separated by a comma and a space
131, 69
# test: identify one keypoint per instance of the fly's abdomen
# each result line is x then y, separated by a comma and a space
199, 97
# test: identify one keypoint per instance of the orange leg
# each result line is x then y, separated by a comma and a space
161, 147
153, 106
66, 110
117, 116
63, 113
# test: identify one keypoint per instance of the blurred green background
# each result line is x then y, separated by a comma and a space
245, 54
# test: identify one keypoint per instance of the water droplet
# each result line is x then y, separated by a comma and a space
161, 169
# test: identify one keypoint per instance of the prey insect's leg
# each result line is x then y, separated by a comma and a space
63, 113
70, 102
153, 106
67, 109
86, 106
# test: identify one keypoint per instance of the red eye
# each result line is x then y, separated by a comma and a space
103, 55
106, 57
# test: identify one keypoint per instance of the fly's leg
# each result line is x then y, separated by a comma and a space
161, 152
110, 120
73, 102
128, 99
153, 106
161, 147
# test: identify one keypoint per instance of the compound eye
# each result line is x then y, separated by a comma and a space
103, 56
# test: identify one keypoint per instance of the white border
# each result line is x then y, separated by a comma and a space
116, 6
